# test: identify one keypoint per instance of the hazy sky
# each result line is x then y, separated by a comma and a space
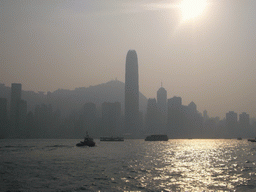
46, 45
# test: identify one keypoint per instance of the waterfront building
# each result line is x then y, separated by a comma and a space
162, 109
244, 125
111, 118
162, 100
174, 117
15, 98
3, 109
231, 124
152, 117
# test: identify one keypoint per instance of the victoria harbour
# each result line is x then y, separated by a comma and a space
128, 96
132, 165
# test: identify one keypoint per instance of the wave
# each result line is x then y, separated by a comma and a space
59, 146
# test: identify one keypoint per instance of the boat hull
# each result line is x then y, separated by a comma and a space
81, 144
157, 138
111, 139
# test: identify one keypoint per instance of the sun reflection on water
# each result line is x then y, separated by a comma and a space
196, 165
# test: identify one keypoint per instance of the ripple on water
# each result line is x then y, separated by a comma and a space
176, 165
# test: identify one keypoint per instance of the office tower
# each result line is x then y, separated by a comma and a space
131, 93
3, 109
162, 99
244, 119
111, 118
175, 117
205, 115
162, 109
244, 125
15, 98
192, 121
192, 107
231, 124
22, 113
231, 117
152, 117
3, 118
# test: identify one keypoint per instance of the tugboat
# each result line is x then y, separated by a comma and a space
88, 141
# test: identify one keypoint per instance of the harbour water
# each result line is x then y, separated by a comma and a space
132, 165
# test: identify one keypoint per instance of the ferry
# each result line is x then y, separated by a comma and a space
157, 138
111, 138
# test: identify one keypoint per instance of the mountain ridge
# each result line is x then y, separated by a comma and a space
68, 100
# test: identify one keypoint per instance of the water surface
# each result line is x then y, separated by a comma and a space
132, 165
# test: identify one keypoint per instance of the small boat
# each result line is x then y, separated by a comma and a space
88, 141
252, 140
111, 138
239, 138
157, 138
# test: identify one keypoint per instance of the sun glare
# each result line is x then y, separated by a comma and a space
191, 9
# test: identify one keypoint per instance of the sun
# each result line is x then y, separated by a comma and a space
191, 9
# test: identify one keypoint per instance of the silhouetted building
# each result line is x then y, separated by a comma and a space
3, 118
22, 106
15, 98
244, 125
162, 100
193, 121
131, 93
43, 118
175, 117
174, 103
231, 124
192, 107
3, 109
205, 116
162, 108
244, 119
152, 117
111, 117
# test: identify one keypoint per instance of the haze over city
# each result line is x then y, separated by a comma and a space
208, 59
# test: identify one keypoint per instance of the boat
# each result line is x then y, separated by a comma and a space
239, 138
157, 138
111, 138
252, 140
88, 141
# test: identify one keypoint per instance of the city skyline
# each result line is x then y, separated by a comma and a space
209, 60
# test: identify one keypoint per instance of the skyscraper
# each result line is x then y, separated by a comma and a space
162, 100
152, 124
131, 93
162, 109
3, 109
15, 98
231, 124
175, 117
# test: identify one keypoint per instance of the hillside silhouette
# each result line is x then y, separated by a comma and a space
69, 100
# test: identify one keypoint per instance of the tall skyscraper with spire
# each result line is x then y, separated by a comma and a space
162, 100
131, 93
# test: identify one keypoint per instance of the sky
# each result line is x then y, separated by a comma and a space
209, 59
